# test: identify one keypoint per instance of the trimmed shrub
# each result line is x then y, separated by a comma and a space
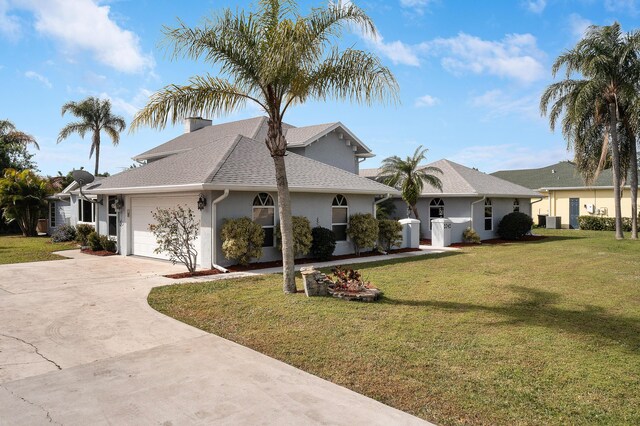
470, 235
599, 223
389, 233
108, 244
363, 231
93, 240
82, 233
301, 236
242, 240
323, 243
514, 226
64, 233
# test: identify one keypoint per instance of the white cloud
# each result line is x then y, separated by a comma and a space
397, 51
516, 56
418, 6
38, 77
497, 104
9, 25
628, 6
128, 107
83, 25
426, 101
491, 158
578, 25
535, 6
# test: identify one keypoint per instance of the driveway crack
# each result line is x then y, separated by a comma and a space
47, 413
34, 348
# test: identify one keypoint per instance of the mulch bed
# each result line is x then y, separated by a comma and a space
493, 241
202, 273
97, 253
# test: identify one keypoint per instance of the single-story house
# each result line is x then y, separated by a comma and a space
469, 198
566, 195
227, 170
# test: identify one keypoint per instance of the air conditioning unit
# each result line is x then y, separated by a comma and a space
591, 209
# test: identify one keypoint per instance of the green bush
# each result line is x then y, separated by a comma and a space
82, 233
469, 235
64, 233
514, 226
389, 233
108, 244
599, 223
93, 240
363, 231
242, 240
301, 236
323, 243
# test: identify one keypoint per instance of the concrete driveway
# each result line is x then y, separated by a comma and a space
80, 345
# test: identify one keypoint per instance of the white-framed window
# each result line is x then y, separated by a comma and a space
112, 217
516, 205
86, 211
339, 217
52, 214
436, 210
264, 214
488, 215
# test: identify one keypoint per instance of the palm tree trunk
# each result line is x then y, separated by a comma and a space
414, 209
634, 190
615, 154
96, 143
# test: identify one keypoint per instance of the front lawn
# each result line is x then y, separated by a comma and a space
19, 249
541, 332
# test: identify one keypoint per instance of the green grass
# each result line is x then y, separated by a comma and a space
534, 333
19, 249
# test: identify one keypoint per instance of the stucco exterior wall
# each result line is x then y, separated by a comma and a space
63, 214
332, 150
558, 203
316, 207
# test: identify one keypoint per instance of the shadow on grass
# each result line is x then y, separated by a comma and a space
535, 308
353, 263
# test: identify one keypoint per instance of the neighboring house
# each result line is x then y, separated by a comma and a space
59, 208
469, 198
565, 193
228, 168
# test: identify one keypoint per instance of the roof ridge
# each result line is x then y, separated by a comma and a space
451, 163
258, 127
218, 165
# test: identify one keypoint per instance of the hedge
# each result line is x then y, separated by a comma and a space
599, 223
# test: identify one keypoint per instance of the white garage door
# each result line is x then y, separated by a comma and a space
143, 242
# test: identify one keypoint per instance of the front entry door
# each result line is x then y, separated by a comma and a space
574, 212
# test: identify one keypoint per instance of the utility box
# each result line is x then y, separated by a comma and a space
410, 233
441, 232
554, 222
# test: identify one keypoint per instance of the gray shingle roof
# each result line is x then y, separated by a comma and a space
460, 180
560, 175
241, 163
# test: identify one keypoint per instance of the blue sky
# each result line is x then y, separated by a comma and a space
470, 73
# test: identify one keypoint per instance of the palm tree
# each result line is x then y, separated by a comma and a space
13, 144
608, 62
275, 58
95, 116
409, 177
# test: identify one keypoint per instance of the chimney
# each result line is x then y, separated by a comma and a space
192, 124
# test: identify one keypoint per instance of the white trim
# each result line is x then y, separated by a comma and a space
436, 205
265, 206
340, 223
328, 130
484, 214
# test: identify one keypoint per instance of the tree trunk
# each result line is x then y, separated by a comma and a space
96, 142
634, 190
615, 154
414, 209
278, 147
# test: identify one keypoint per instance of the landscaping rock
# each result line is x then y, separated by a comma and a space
315, 282
368, 295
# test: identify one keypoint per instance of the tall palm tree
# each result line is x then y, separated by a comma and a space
13, 143
409, 176
608, 62
275, 58
95, 116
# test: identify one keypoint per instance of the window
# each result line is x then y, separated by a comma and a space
52, 214
86, 211
112, 217
264, 215
339, 217
436, 209
488, 215
516, 205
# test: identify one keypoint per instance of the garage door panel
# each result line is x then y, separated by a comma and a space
143, 243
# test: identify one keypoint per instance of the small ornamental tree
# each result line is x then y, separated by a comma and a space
301, 236
390, 233
363, 231
176, 230
242, 240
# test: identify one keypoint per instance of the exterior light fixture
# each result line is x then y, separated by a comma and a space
202, 202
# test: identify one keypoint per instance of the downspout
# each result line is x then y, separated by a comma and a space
375, 203
214, 209
472, 204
